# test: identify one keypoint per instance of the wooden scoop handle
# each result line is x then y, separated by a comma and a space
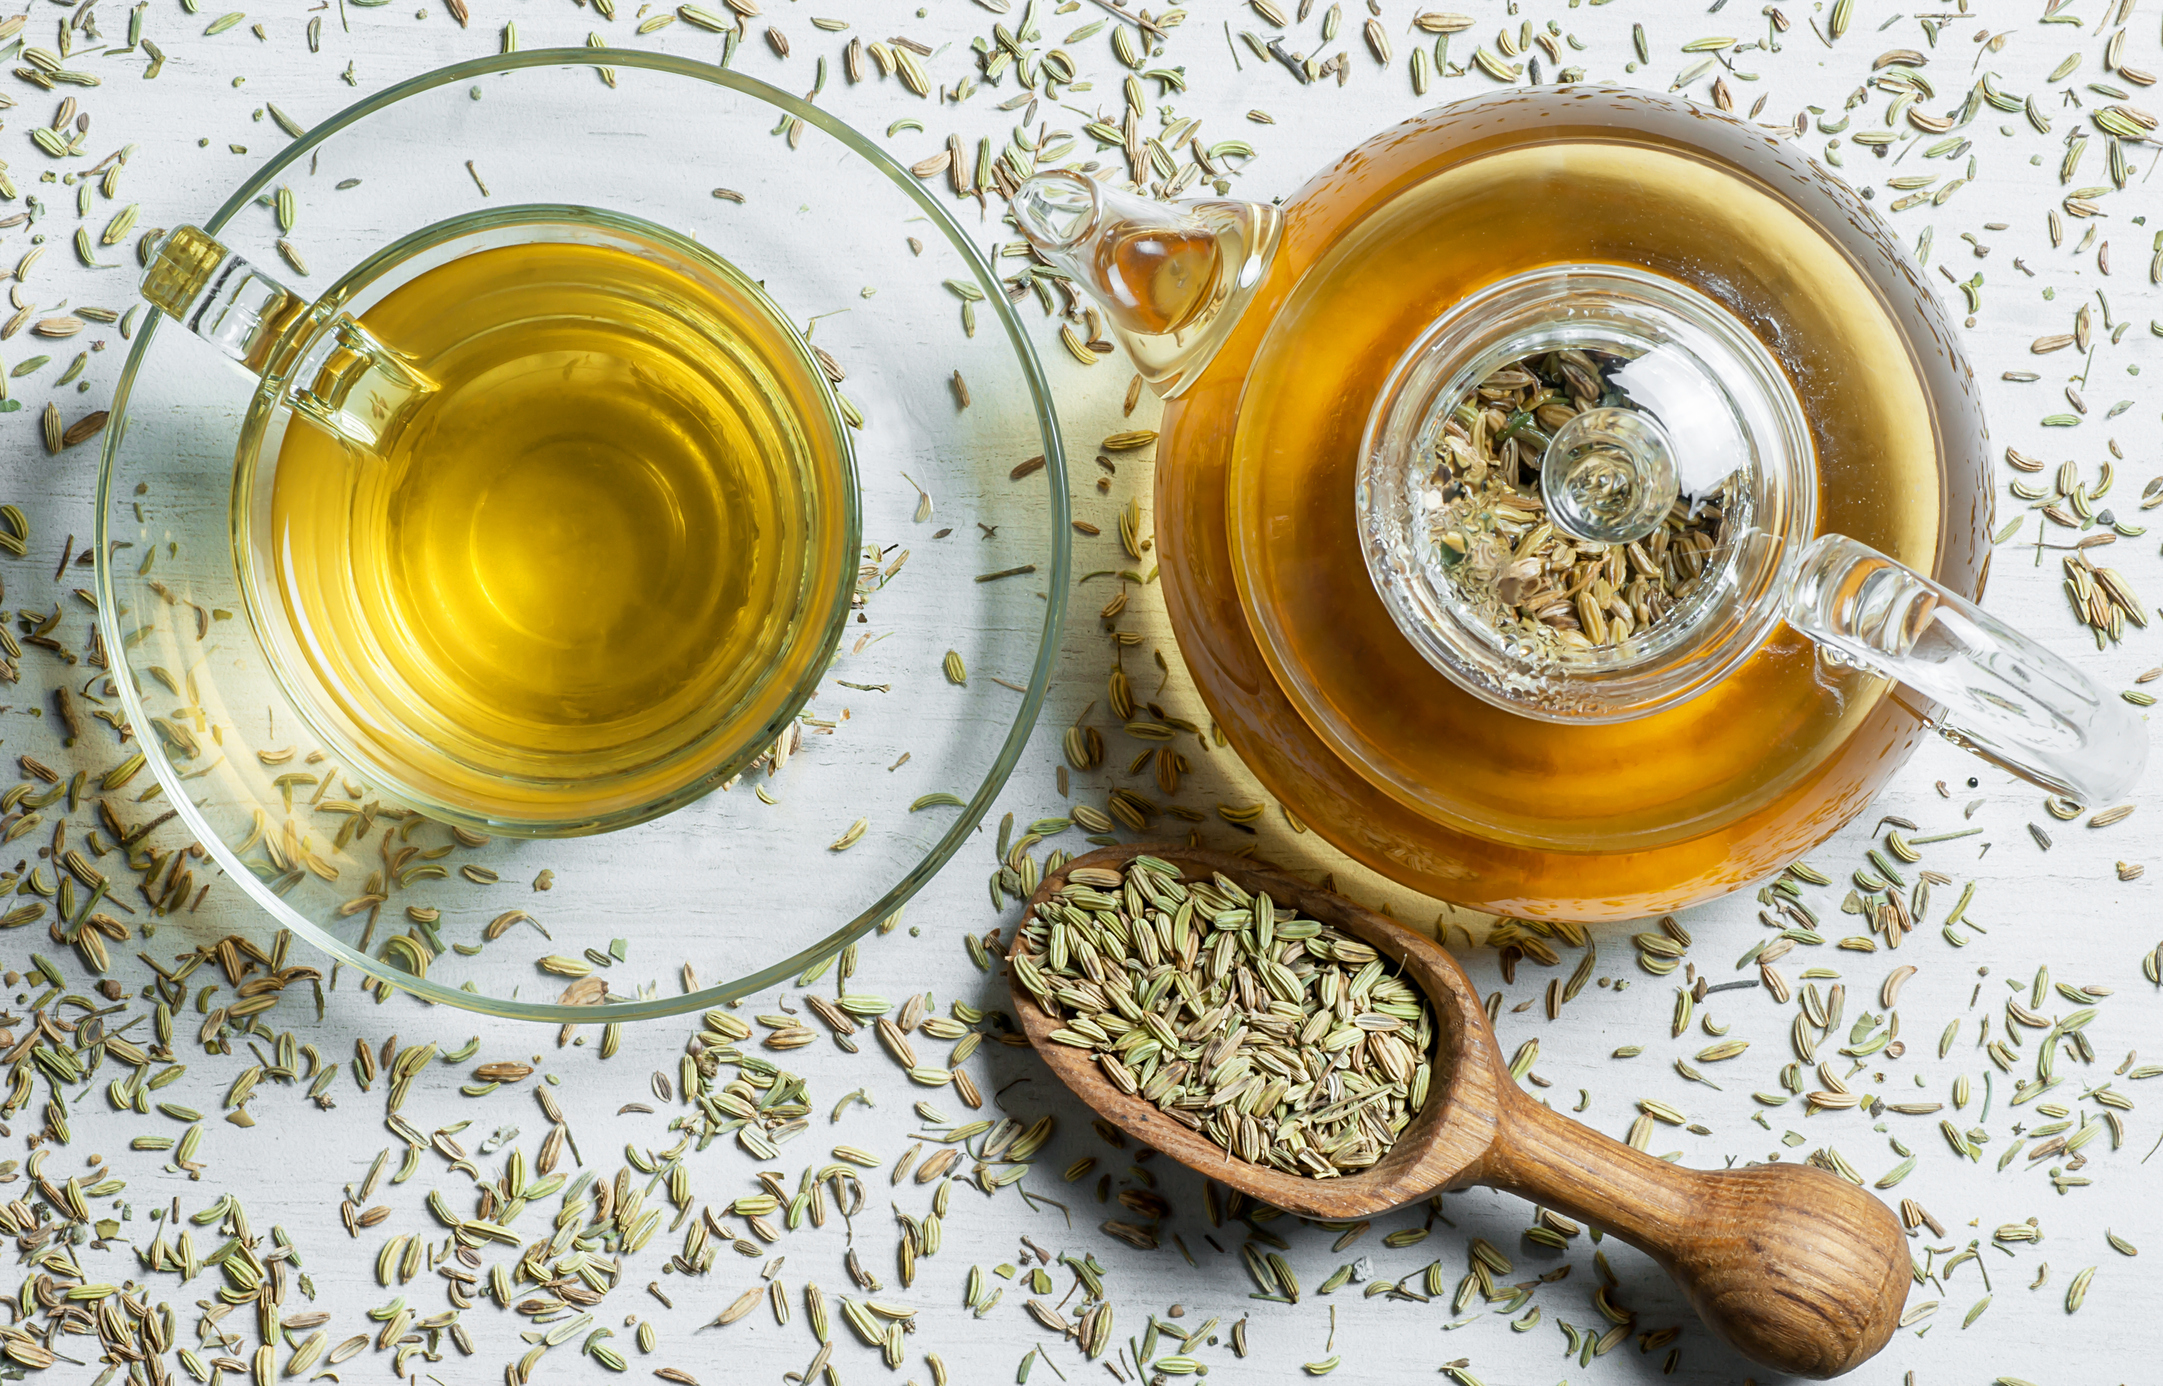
1792, 1266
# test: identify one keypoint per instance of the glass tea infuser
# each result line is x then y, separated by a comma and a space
1571, 502
539, 612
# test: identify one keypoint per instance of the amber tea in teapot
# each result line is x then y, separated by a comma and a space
1718, 583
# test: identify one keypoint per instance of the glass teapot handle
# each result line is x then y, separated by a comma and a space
2005, 697
359, 389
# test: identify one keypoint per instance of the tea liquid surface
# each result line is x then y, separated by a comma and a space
584, 549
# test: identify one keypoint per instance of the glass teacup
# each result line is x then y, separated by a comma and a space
546, 516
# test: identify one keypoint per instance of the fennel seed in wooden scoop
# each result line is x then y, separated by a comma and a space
1312, 1058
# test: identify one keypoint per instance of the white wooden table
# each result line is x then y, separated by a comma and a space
2065, 908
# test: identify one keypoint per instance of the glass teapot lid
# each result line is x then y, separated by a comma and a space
1587, 492
1583, 490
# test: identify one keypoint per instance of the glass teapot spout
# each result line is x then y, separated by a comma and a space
357, 388
1171, 277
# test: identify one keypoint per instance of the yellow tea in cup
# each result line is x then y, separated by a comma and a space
603, 563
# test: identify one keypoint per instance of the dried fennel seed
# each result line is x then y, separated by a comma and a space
1277, 1037
1492, 537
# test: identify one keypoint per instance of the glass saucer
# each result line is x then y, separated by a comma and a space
805, 851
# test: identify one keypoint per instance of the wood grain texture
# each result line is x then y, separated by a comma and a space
1791, 1266
288, 1167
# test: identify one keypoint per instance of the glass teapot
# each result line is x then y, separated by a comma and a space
1570, 503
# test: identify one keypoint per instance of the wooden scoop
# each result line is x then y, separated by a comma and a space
1791, 1266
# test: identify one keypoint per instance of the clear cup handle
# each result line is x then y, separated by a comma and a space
2002, 695
358, 388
